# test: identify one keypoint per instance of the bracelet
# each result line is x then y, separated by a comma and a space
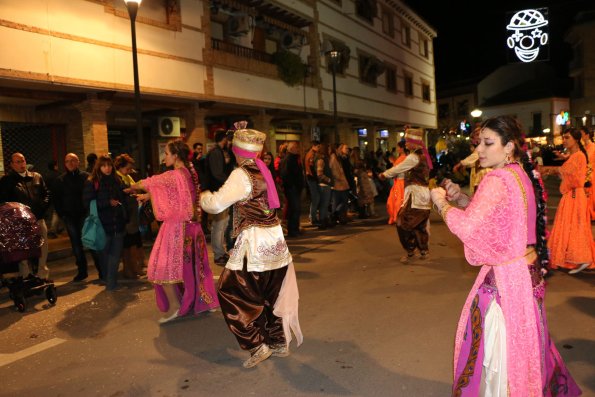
444, 211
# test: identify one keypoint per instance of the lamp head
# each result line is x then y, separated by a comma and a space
476, 113
133, 1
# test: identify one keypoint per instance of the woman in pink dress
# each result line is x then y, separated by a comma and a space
179, 264
502, 343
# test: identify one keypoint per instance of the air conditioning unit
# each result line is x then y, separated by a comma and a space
169, 126
238, 25
291, 40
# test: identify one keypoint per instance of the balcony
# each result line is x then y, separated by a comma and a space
241, 51
243, 59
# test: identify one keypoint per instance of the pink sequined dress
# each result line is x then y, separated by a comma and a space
179, 255
502, 343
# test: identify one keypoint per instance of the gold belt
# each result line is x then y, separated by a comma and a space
530, 256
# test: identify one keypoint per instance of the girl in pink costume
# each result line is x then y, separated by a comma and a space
502, 344
179, 264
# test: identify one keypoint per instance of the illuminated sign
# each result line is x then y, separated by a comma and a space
528, 35
362, 132
383, 133
562, 118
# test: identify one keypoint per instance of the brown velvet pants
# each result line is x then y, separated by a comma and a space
412, 228
247, 300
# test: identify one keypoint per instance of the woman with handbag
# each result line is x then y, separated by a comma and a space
107, 190
133, 254
179, 265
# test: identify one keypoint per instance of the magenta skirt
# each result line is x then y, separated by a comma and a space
197, 293
556, 381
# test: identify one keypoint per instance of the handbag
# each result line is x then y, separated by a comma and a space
93, 235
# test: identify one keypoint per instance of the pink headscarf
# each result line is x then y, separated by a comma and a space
272, 195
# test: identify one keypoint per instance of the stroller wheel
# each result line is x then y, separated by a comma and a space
50, 294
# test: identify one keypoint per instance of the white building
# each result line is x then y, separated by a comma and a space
66, 75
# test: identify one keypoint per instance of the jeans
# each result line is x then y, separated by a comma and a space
294, 207
315, 203
74, 227
110, 258
325, 201
340, 201
218, 227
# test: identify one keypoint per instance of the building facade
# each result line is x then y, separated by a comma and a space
67, 85
582, 69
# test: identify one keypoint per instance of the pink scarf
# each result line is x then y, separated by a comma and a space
266, 173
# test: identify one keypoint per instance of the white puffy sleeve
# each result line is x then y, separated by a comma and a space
236, 188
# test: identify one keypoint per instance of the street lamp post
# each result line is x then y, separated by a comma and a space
132, 6
334, 58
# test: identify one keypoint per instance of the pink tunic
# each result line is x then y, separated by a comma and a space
171, 195
494, 231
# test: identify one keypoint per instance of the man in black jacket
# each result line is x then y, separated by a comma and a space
292, 175
28, 188
218, 171
68, 201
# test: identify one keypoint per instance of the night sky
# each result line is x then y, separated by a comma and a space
471, 40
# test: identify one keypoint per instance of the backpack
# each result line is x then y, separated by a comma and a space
93, 235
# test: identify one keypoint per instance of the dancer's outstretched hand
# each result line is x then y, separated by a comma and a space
453, 191
439, 197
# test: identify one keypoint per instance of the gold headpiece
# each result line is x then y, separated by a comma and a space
247, 139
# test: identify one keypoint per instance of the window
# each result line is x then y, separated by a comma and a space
366, 9
424, 48
578, 89
370, 68
161, 13
391, 79
443, 111
406, 34
388, 24
537, 127
463, 108
425, 91
408, 84
342, 62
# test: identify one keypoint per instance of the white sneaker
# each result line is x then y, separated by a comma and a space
164, 320
579, 269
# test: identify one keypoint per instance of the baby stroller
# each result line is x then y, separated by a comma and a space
20, 239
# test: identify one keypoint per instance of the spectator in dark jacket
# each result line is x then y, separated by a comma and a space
28, 188
68, 201
107, 189
292, 175
218, 171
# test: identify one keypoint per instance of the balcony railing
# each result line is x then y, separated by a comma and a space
241, 51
